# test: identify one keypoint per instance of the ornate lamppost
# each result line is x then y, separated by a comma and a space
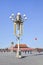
18, 29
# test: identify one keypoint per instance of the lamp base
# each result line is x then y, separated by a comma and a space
18, 54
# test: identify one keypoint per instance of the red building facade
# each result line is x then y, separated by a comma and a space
23, 47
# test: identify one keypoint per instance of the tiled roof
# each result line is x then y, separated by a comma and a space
21, 46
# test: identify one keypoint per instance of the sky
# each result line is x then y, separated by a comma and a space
32, 27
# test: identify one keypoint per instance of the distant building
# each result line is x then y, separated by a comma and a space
23, 48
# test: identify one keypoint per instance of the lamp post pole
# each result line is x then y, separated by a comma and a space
18, 29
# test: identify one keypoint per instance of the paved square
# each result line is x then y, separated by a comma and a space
9, 58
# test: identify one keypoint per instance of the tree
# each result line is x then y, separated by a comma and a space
12, 43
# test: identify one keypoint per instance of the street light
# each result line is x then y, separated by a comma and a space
18, 29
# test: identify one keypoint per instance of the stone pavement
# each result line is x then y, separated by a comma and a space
9, 58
